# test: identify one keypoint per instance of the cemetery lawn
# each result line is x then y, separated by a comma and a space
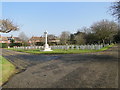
6, 70
61, 51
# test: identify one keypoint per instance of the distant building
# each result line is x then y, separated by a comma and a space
17, 40
7, 39
4, 39
41, 40
53, 41
36, 40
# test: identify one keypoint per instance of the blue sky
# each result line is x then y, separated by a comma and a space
36, 17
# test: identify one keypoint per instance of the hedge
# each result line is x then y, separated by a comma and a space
3, 45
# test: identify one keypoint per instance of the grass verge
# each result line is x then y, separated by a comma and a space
6, 70
61, 51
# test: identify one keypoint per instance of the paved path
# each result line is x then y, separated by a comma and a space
96, 70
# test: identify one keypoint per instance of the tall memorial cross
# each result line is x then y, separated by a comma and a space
46, 46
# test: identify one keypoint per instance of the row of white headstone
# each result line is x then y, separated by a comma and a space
96, 47
29, 47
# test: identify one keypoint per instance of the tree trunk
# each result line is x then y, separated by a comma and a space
103, 42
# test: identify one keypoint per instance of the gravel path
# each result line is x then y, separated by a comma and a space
96, 70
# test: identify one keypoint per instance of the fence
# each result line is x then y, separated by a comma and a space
95, 47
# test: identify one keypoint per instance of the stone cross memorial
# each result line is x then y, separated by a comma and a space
46, 46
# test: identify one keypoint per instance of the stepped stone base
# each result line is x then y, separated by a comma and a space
46, 48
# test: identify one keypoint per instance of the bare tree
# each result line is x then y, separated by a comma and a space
51, 36
80, 39
64, 37
105, 30
23, 37
115, 9
7, 26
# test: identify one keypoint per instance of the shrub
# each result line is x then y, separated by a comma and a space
3, 45
15, 44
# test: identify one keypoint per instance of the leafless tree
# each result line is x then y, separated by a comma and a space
64, 37
7, 26
105, 30
115, 9
23, 37
80, 39
51, 36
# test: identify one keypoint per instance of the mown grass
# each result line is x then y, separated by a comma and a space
6, 70
61, 51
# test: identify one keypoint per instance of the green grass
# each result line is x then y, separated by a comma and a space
6, 70
107, 47
61, 51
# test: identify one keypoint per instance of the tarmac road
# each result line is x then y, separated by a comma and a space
95, 70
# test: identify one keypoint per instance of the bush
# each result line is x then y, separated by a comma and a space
39, 43
11, 44
3, 45
15, 44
